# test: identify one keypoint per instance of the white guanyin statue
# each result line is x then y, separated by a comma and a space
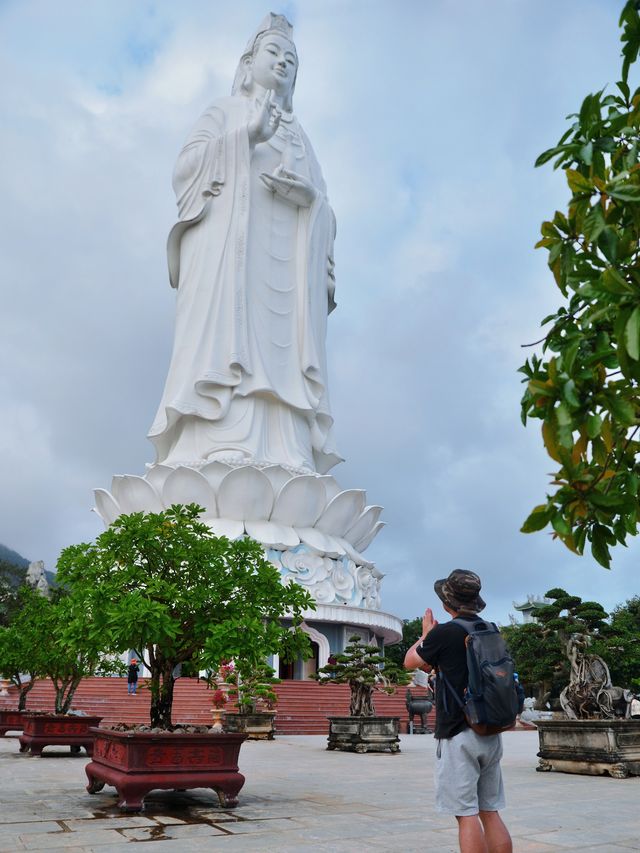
244, 427
251, 259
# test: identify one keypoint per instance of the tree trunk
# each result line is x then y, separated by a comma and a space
162, 682
59, 688
361, 700
24, 690
72, 686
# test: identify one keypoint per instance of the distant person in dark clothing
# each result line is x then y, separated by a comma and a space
132, 676
468, 775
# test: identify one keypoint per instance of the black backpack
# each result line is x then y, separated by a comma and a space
494, 697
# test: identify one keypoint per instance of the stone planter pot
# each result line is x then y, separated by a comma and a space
10, 721
590, 747
40, 730
257, 726
138, 762
364, 734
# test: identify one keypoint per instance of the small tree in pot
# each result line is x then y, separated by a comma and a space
361, 667
166, 585
21, 643
71, 647
251, 686
48, 640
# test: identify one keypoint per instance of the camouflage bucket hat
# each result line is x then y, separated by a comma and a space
461, 591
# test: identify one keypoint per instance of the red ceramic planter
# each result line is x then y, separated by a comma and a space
40, 730
138, 762
10, 721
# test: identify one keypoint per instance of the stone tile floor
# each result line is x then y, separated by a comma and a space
299, 797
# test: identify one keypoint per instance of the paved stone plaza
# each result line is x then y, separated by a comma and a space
298, 796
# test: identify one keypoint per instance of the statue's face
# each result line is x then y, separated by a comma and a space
274, 63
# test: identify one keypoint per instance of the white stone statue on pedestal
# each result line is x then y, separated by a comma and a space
251, 259
244, 427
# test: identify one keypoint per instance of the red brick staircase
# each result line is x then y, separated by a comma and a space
303, 706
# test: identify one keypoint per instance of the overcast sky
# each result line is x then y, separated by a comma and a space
426, 116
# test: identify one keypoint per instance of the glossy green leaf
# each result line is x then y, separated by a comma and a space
569, 393
621, 409
632, 334
594, 425
599, 547
560, 525
577, 182
537, 519
586, 153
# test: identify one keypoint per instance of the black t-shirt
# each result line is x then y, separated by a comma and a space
444, 648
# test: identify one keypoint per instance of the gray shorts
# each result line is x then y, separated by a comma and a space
468, 775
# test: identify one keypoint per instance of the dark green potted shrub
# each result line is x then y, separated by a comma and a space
364, 669
164, 584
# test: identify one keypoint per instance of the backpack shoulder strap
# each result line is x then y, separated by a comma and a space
472, 625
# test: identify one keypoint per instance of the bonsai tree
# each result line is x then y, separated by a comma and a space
585, 385
252, 687
540, 647
360, 666
164, 584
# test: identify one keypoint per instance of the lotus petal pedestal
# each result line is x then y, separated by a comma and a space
310, 528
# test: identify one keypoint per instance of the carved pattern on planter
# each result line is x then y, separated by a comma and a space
113, 753
178, 757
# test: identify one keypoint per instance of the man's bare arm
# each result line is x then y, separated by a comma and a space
412, 660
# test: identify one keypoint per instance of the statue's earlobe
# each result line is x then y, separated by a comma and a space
247, 80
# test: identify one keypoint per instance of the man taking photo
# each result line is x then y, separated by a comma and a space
468, 778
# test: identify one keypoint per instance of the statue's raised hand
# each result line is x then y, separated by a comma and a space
290, 186
265, 120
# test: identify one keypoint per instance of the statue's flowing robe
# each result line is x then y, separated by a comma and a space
247, 381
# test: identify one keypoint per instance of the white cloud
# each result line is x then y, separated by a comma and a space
426, 122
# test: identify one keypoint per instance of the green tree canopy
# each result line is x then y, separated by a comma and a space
585, 386
539, 655
51, 638
22, 642
411, 631
165, 585
624, 660
11, 578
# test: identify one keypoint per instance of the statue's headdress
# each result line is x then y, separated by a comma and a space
271, 23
